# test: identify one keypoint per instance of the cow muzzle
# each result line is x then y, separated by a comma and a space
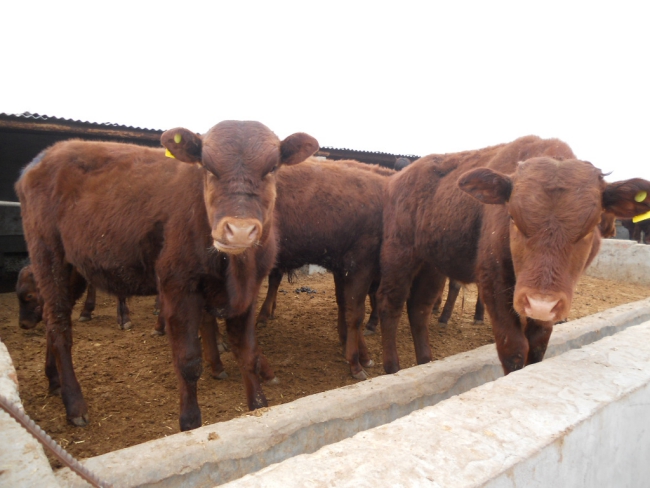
542, 306
234, 236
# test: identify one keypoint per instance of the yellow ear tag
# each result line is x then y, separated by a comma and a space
169, 154
639, 197
641, 217
178, 138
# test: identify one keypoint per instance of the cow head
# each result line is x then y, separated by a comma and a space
554, 210
30, 305
240, 160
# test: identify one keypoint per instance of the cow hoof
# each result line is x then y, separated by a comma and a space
223, 347
221, 376
478, 322
273, 381
369, 364
79, 421
367, 332
56, 391
83, 318
127, 326
156, 333
361, 375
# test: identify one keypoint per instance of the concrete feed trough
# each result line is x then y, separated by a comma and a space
528, 421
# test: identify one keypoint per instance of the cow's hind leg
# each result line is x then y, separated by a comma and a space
354, 290
373, 320
267, 311
89, 304
209, 341
393, 291
424, 292
123, 314
452, 296
479, 312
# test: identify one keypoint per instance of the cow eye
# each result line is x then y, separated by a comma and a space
29, 296
273, 170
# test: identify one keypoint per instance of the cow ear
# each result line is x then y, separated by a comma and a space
182, 144
486, 185
628, 198
297, 147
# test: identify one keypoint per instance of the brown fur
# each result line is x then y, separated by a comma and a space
433, 228
126, 216
330, 213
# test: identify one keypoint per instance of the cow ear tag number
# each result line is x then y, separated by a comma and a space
639, 197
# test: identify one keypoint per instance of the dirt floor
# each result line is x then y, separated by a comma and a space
130, 386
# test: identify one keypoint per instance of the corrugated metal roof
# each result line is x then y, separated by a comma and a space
47, 118
376, 153
34, 117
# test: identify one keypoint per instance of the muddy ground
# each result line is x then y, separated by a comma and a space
130, 386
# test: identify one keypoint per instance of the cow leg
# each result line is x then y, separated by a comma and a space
123, 314
479, 312
268, 307
183, 313
373, 320
509, 337
452, 295
424, 291
89, 304
60, 285
339, 287
393, 291
209, 341
252, 364
355, 287
51, 372
437, 303
538, 334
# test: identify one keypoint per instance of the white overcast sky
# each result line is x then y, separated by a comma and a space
399, 77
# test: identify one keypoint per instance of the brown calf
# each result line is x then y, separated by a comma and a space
125, 216
523, 231
30, 303
330, 213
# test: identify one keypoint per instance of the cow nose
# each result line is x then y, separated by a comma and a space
240, 234
236, 235
541, 308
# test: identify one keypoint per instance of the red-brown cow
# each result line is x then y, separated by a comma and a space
330, 213
523, 231
125, 216
30, 303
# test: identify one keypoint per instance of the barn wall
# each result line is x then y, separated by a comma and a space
226, 451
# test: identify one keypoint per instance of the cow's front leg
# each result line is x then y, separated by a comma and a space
538, 334
509, 336
182, 314
252, 364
